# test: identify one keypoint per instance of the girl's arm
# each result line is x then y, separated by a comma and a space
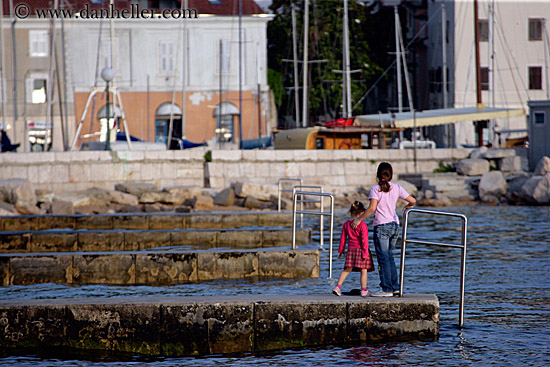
412, 202
364, 241
371, 209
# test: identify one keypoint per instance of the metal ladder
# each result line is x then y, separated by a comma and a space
462, 246
321, 213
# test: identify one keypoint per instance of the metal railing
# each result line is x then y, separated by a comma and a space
285, 190
321, 213
462, 246
302, 201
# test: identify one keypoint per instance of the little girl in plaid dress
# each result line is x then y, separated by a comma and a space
359, 257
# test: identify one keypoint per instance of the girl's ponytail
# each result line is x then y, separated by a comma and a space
384, 175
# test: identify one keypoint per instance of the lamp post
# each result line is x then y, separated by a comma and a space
108, 74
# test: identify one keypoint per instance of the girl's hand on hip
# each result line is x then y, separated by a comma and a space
355, 223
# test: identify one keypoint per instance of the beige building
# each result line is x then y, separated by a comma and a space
155, 61
514, 59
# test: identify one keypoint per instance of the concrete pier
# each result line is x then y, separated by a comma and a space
203, 220
201, 325
132, 240
155, 268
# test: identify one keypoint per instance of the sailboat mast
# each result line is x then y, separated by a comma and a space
295, 54
347, 78
240, 77
444, 51
398, 61
305, 103
478, 124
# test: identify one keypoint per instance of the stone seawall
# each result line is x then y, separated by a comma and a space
73, 171
132, 240
155, 268
182, 326
198, 220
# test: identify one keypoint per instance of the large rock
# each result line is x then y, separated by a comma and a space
252, 203
537, 190
492, 187
26, 208
13, 190
285, 203
203, 202
136, 188
7, 209
123, 198
543, 167
436, 199
494, 153
153, 197
86, 199
478, 153
512, 164
409, 187
259, 191
178, 194
61, 207
472, 167
226, 197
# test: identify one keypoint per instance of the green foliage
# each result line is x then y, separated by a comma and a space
493, 167
275, 81
369, 36
208, 156
444, 168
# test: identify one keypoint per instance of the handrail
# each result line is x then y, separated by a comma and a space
285, 190
302, 201
321, 213
462, 246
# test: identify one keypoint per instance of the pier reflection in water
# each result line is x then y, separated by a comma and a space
507, 306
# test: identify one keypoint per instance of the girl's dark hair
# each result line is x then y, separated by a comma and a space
357, 207
384, 175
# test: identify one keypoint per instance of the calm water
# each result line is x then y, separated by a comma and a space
507, 304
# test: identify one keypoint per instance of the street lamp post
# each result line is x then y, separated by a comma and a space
108, 74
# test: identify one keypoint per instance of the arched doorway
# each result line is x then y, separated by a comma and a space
162, 124
225, 121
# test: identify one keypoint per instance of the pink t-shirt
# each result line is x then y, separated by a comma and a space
357, 238
385, 210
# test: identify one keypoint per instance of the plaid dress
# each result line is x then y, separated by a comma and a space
354, 260
358, 254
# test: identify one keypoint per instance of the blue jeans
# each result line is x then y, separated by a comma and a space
385, 237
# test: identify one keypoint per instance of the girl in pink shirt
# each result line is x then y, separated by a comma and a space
358, 257
383, 199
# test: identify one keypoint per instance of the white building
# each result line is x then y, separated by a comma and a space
163, 68
514, 60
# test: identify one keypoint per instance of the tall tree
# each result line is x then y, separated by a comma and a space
370, 44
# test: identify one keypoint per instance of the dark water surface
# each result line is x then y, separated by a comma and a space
507, 299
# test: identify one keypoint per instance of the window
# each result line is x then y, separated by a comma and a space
38, 43
224, 57
161, 131
535, 77
484, 78
224, 129
539, 118
37, 85
166, 57
483, 30
535, 29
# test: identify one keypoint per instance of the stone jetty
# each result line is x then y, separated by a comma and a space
155, 268
132, 240
202, 325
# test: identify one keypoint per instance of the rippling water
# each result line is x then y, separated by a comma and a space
507, 299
